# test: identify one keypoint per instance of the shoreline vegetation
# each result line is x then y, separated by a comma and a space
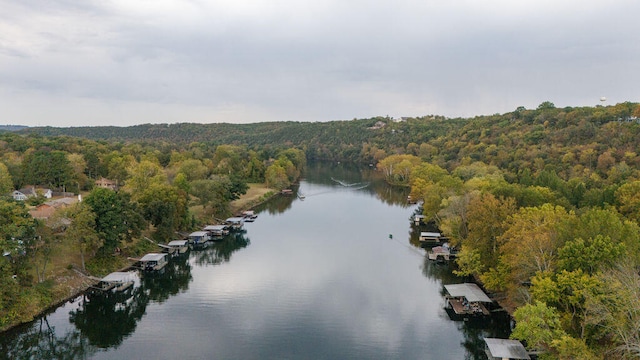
542, 203
70, 282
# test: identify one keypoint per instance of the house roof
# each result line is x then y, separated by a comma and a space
468, 290
62, 201
506, 349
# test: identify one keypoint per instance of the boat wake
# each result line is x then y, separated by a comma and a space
355, 186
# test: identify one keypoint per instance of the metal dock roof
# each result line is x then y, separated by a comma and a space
153, 257
468, 290
506, 349
178, 243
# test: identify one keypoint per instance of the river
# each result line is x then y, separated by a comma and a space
336, 275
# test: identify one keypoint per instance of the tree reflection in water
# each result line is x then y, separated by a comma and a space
105, 319
174, 278
41, 341
220, 252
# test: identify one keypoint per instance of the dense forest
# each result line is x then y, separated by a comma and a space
543, 203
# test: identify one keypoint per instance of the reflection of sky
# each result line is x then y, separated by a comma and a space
320, 281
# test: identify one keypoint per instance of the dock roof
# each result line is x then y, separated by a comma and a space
468, 290
198, 233
178, 243
119, 277
430, 234
153, 257
506, 349
235, 219
215, 227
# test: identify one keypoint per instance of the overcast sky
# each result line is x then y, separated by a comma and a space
127, 62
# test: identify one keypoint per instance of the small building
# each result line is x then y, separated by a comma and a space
505, 349
418, 219
32, 191
153, 261
431, 238
442, 253
19, 195
466, 301
235, 223
217, 232
106, 184
198, 238
179, 246
117, 281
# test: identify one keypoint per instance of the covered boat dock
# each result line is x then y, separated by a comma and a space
467, 301
504, 349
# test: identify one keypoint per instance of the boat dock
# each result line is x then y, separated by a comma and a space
466, 301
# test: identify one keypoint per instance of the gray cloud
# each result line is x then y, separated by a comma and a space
120, 62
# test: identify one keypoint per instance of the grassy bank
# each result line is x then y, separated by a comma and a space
256, 194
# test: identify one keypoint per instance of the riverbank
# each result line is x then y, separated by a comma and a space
256, 195
65, 282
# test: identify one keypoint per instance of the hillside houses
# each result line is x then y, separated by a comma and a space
31, 191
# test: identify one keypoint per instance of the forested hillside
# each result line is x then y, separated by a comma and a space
543, 203
544, 206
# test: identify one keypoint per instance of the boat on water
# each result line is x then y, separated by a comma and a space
249, 216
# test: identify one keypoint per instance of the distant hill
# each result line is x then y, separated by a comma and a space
12, 127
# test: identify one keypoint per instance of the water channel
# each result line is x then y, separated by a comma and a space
312, 278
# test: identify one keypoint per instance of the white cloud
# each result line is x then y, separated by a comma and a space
262, 60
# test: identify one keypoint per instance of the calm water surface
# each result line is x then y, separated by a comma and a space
318, 278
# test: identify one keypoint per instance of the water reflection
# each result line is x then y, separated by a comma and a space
40, 340
323, 281
106, 318
354, 177
278, 204
173, 279
220, 251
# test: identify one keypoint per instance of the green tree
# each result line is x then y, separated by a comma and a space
487, 220
46, 167
531, 241
276, 177
628, 199
538, 325
82, 231
165, 207
142, 175
591, 255
117, 219
6, 183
